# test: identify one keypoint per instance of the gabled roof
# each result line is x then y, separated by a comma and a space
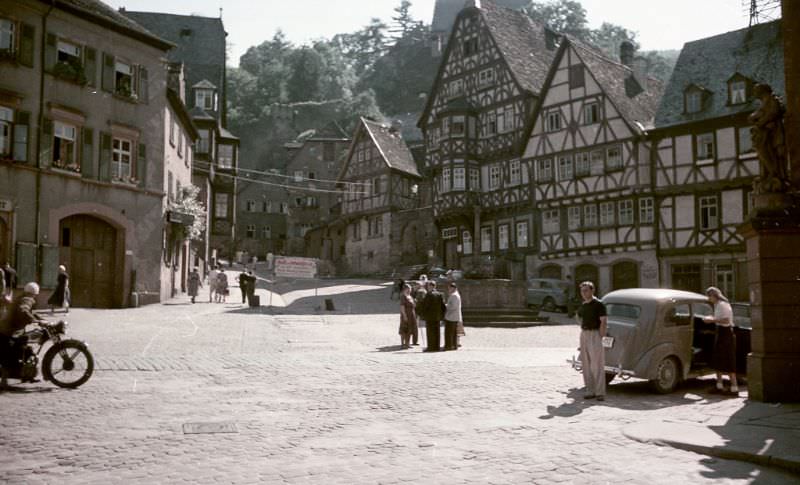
521, 42
392, 147
100, 13
223, 133
446, 11
204, 84
755, 52
198, 113
635, 103
390, 144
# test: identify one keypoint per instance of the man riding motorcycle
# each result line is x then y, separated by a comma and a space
19, 316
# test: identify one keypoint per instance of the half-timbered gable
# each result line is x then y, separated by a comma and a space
488, 83
703, 158
379, 182
590, 166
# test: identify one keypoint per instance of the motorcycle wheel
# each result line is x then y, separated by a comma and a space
68, 364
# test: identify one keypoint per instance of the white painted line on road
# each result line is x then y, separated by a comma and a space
191, 320
134, 384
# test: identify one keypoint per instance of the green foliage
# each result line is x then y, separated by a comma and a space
563, 16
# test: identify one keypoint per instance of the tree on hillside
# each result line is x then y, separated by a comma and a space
563, 16
402, 22
364, 47
304, 82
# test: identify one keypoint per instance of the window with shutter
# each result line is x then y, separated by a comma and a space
90, 66
26, 44
21, 136
141, 165
105, 157
107, 81
87, 153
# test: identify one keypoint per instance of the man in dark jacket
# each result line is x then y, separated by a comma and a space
432, 310
243, 283
10, 276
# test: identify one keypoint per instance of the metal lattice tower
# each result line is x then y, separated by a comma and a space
762, 10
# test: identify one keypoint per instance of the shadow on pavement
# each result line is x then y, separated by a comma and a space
25, 390
631, 395
390, 348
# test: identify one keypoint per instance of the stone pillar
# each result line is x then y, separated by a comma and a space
773, 264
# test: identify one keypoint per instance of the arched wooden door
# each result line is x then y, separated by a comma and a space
88, 248
588, 272
625, 275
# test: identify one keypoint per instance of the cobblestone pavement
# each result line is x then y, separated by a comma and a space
301, 396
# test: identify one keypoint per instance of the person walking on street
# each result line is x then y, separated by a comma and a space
10, 278
408, 317
251, 286
432, 310
222, 286
243, 286
212, 284
723, 359
61, 295
397, 288
194, 283
419, 295
592, 314
452, 317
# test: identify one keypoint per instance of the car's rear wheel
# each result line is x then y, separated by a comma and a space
668, 376
549, 305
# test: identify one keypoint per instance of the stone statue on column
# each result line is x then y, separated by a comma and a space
769, 140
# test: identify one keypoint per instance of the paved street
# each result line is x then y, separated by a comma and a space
307, 396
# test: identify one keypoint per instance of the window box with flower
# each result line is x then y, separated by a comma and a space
70, 70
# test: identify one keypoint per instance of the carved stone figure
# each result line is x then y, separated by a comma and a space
769, 141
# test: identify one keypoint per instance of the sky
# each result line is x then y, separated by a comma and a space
250, 22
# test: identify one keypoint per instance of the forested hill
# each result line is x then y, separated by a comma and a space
383, 70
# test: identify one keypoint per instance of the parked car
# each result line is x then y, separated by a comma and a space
660, 335
450, 275
548, 294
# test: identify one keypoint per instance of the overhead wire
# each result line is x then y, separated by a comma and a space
280, 175
273, 184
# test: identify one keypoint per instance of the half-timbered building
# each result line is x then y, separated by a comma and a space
381, 208
591, 187
489, 81
703, 158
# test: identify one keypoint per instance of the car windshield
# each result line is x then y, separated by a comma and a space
623, 310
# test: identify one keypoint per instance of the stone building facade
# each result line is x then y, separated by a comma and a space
82, 102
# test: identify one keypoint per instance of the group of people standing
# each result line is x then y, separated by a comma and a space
429, 307
218, 287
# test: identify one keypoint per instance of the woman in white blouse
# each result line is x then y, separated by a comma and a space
724, 357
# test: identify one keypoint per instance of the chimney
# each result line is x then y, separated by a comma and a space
626, 50
640, 72
175, 79
396, 128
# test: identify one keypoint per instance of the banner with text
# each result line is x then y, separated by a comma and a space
295, 267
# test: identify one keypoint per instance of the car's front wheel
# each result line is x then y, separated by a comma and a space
549, 305
667, 376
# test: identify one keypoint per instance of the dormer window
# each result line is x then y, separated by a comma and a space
737, 89
204, 98
694, 100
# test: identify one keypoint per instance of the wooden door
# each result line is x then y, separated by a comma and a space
451, 254
625, 275
89, 251
588, 272
5, 249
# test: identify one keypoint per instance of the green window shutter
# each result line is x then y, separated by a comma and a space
105, 157
50, 51
108, 73
22, 129
141, 166
90, 66
87, 154
144, 85
46, 143
27, 41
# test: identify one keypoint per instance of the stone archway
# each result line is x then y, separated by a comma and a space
410, 244
88, 248
550, 271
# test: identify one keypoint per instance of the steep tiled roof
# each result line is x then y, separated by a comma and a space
634, 103
99, 12
392, 147
522, 43
446, 11
199, 41
755, 52
331, 131
411, 133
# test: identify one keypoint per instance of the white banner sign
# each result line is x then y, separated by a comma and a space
295, 267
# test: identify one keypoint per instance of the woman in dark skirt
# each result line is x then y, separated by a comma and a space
408, 317
60, 296
723, 359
